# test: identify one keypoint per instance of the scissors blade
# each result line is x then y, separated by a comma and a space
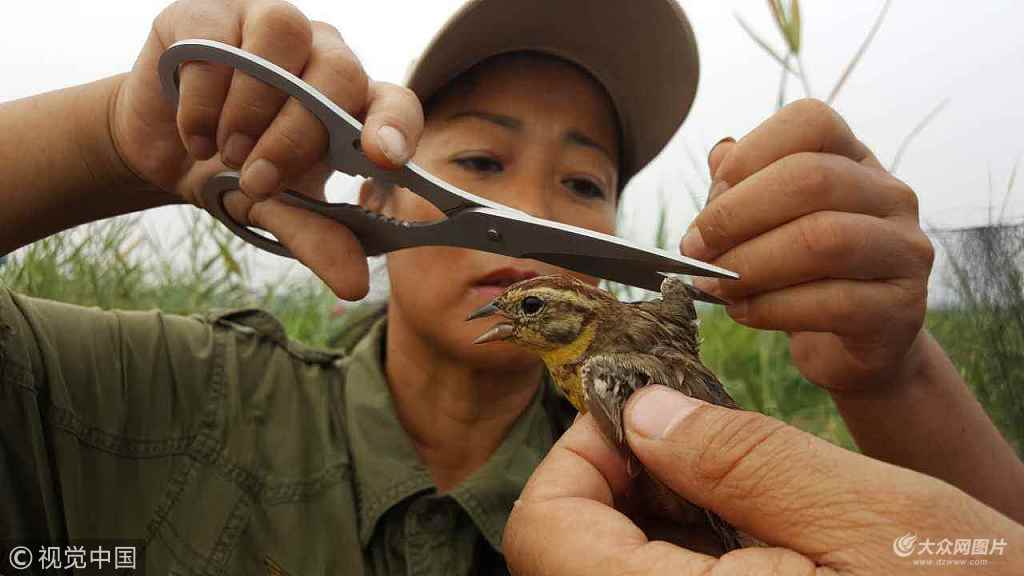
586, 251
625, 273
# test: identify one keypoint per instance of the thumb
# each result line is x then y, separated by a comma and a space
781, 485
394, 124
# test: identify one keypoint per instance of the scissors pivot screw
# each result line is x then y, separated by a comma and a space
494, 234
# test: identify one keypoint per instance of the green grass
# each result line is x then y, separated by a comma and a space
984, 334
755, 368
990, 358
117, 264
754, 365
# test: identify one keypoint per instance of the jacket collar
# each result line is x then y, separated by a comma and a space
388, 469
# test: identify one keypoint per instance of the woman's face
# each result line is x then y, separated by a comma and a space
534, 133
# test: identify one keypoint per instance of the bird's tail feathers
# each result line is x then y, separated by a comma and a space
679, 295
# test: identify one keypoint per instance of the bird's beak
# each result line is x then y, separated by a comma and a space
500, 331
483, 311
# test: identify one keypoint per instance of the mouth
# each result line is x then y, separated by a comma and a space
504, 277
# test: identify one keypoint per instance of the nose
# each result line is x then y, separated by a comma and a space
529, 193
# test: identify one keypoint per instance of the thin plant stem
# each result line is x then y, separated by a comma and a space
803, 76
859, 53
990, 189
914, 132
780, 100
763, 44
1009, 189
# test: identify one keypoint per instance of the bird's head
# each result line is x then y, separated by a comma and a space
545, 314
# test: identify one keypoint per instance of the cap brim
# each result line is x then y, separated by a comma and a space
642, 51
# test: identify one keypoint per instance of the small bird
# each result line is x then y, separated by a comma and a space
599, 351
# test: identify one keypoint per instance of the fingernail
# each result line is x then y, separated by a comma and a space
237, 149
658, 409
260, 179
392, 142
201, 147
716, 189
710, 285
693, 244
722, 141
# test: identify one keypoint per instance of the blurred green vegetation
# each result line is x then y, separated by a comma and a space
754, 366
986, 346
984, 332
118, 263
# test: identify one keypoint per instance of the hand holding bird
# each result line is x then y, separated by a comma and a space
599, 351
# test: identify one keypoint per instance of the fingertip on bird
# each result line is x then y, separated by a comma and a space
654, 411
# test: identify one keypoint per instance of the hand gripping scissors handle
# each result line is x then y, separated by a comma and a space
470, 221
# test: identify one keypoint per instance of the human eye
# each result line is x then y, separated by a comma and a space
584, 187
480, 163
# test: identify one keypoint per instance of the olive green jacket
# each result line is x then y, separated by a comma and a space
229, 449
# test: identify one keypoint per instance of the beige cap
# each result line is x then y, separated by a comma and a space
642, 51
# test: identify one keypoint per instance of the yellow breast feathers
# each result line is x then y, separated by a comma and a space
567, 377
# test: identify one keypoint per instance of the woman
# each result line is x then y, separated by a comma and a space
224, 446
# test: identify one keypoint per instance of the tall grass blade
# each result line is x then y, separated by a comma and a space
780, 99
1010, 183
794, 25
859, 53
764, 45
918, 128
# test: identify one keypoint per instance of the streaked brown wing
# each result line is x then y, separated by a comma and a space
701, 383
608, 381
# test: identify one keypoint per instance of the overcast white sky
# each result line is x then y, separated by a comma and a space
926, 51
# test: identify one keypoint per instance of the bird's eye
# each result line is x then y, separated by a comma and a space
532, 304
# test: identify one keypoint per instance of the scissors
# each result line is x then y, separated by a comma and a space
470, 221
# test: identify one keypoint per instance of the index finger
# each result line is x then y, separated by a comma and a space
803, 126
202, 86
323, 245
564, 521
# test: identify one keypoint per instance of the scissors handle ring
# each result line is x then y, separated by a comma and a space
213, 195
344, 152
343, 135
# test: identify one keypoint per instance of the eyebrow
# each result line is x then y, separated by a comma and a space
511, 123
499, 119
